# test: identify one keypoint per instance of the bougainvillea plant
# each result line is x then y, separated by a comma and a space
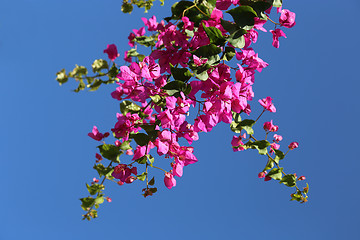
200, 61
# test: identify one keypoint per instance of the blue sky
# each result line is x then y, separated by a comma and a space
47, 156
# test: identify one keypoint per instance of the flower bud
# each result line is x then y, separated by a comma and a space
262, 174
293, 145
301, 178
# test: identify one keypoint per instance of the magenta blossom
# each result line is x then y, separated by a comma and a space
112, 52
276, 34
269, 126
274, 146
301, 178
169, 180
98, 157
267, 104
121, 172
287, 18
293, 145
96, 135
262, 174
277, 138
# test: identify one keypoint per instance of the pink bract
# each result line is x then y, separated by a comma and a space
169, 180
112, 52
287, 18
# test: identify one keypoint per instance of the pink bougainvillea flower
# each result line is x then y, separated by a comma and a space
237, 144
301, 178
96, 135
198, 61
169, 180
269, 126
152, 24
130, 179
121, 172
274, 146
262, 174
276, 34
129, 152
293, 145
98, 157
287, 18
117, 143
112, 52
178, 168
267, 104
225, 4
277, 138
127, 58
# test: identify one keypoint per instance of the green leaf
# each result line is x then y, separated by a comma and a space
296, 196
261, 146
145, 40
235, 127
260, 7
212, 2
142, 176
174, 87
229, 26
140, 138
61, 77
200, 71
153, 190
228, 54
148, 128
95, 85
128, 106
207, 51
99, 64
213, 60
203, 76
126, 7
110, 152
99, 199
277, 3
269, 165
81, 86
186, 8
125, 145
78, 71
247, 124
237, 38
113, 71
156, 99
178, 8
94, 188
278, 155
182, 74
275, 173
141, 160
103, 171
151, 159
215, 35
236, 116
243, 16
152, 182
289, 180
87, 203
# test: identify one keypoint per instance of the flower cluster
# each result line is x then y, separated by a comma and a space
191, 66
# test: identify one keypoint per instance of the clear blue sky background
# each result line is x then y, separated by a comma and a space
46, 156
